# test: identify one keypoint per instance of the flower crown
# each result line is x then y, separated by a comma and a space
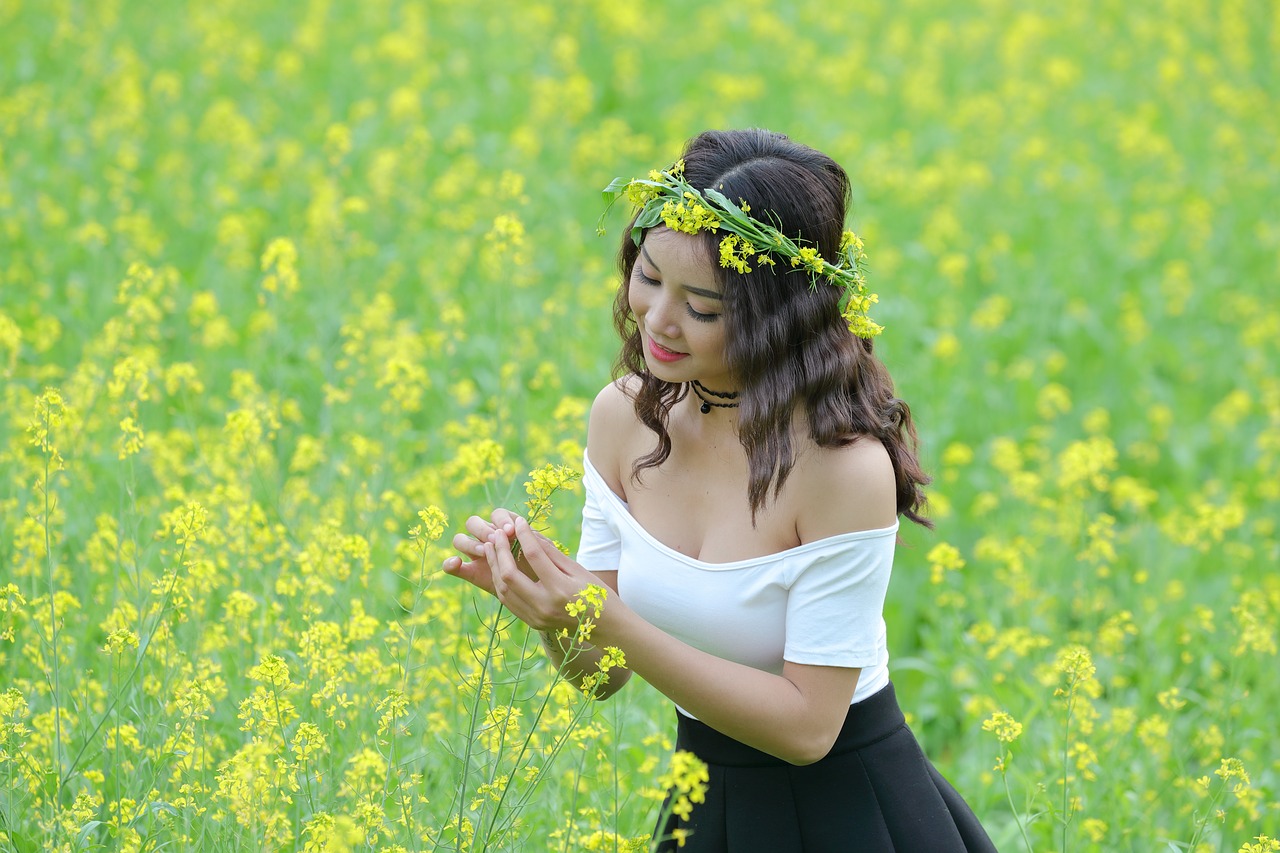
665, 196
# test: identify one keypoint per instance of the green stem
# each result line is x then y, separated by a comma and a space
53, 622
164, 605
1066, 746
1204, 821
524, 748
573, 801
1005, 755
556, 748
115, 753
471, 731
502, 739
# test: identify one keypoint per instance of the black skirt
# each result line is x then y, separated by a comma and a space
875, 791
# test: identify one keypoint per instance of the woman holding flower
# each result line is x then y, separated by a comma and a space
744, 479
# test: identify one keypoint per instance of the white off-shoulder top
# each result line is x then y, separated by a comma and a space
819, 603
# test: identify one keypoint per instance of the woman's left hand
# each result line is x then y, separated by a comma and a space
539, 603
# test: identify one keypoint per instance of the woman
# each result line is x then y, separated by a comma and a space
744, 479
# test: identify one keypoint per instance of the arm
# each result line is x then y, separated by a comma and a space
478, 572
795, 716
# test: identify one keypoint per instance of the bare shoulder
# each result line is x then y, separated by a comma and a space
611, 429
844, 489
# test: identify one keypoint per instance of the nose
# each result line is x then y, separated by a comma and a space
660, 314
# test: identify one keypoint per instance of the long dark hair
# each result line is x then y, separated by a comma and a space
786, 343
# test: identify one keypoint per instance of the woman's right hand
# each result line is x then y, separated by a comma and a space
476, 569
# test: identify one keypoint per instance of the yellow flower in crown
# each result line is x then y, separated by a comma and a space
689, 215
734, 252
666, 197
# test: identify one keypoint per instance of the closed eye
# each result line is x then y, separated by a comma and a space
697, 315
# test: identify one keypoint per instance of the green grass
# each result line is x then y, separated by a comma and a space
1071, 221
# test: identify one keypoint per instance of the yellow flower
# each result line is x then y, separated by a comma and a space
308, 741
734, 252
280, 263
119, 640
393, 708
542, 484
943, 558
1233, 768
1075, 663
51, 411
589, 601
613, 658
686, 778
337, 142
433, 524
132, 438
1254, 624
321, 832
1094, 828
689, 216
641, 194
1005, 727
272, 670
808, 257
1170, 701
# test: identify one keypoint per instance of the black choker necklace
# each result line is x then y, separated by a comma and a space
702, 390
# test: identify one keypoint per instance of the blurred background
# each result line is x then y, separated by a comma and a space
317, 266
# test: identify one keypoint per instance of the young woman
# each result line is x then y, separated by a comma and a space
744, 479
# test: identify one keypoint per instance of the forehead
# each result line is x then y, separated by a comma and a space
683, 257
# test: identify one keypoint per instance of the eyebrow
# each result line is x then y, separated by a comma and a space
709, 294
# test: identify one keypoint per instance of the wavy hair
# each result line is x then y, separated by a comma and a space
786, 343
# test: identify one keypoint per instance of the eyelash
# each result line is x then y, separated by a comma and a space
697, 315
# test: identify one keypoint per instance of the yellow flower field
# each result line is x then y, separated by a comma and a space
289, 290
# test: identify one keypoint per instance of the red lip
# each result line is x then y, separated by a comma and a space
661, 353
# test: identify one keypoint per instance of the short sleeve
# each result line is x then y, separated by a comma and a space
835, 605
600, 547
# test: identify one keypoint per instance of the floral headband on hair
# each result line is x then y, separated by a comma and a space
665, 196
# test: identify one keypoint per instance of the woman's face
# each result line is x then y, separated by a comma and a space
678, 307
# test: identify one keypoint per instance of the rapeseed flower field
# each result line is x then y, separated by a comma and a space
287, 291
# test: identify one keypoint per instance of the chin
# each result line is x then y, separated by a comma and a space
665, 372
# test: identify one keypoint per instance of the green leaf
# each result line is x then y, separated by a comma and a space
84, 832
650, 216
153, 807
720, 199
615, 188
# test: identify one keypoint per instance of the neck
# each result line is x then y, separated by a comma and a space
713, 399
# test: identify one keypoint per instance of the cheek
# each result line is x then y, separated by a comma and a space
714, 342
636, 297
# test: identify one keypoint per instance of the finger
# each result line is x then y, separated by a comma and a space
468, 545
505, 519
479, 527
512, 587
538, 551
501, 560
475, 572
502, 567
546, 544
